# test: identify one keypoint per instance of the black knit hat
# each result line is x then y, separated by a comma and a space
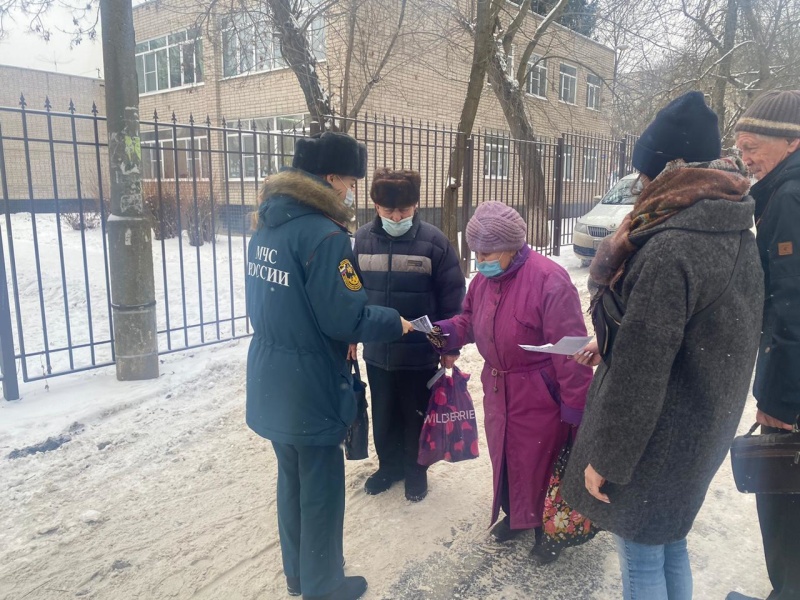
685, 128
395, 189
776, 114
331, 153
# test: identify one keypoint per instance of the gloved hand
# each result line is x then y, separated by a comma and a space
437, 338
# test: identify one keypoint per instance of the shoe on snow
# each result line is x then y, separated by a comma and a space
293, 586
416, 486
502, 531
738, 596
544, 556
380, 481
352, 588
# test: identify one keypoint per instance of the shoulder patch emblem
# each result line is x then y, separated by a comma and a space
349, 275
785, 249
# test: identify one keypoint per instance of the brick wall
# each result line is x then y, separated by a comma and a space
29, 172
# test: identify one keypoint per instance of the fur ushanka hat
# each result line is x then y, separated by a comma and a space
395, 189
331, 153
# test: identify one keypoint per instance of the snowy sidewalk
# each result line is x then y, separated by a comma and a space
163, 492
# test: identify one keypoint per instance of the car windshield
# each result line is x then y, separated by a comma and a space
620, 193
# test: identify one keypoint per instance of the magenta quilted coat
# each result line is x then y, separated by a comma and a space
530, 399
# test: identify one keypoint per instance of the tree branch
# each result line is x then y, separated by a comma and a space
552, 16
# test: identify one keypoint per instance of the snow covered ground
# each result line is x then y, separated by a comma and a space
163, 492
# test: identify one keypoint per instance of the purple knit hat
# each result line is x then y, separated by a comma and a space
496, 227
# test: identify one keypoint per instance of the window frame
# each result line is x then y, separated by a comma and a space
263, 54
538, 65
252, 153
568, 164
566, 77
590, 156
496, 157
187, 154
162, 50
593, 89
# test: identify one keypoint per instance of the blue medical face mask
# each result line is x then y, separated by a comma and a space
349, 197
397, 228
490, 268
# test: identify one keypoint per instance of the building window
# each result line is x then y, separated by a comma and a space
495, 157
593, 85
536, 83
569, 84
590, 165
170, 61
251, 47
263, 146
160, 159
568, 163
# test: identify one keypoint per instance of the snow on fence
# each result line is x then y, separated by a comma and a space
200, 185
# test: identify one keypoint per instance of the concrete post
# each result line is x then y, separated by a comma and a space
129, 233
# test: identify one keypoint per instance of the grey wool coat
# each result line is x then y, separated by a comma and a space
660, 420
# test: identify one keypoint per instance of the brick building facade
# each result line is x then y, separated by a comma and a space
28, 173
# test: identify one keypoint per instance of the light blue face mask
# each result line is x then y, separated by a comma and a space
490, 268
397, 228
349, 197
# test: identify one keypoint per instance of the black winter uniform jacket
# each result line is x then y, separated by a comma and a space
417, 273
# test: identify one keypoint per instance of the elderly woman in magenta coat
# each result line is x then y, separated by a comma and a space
531, 400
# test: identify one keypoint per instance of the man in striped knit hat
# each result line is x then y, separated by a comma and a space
768, 135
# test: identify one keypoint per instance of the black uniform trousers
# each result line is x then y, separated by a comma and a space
311, 515
779, 517
399, 403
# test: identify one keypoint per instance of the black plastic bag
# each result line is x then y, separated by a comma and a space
357, 439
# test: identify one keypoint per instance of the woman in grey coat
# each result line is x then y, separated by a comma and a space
668, 395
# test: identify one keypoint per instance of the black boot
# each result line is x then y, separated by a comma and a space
352, 588
542, 554
293, 586
381, 480
502, 531
738, 596
416, 485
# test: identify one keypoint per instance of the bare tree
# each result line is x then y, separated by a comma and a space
732, 50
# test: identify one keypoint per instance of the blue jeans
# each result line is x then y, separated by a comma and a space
654, 572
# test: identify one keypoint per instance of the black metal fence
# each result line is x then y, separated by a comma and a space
200, 185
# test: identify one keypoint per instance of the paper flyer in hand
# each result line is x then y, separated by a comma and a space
422, 324
567, 345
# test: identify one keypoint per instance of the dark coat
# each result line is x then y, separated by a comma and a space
417, 273
777, 385
306, 304
659, 421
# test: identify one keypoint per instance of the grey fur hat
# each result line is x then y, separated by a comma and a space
331, 153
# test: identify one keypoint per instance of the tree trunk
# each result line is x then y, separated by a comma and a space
721, 84
483, 37
297, 52
534, 193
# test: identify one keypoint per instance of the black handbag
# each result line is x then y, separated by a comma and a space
357, 438
767, 463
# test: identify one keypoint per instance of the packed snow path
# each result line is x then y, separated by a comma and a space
163, 492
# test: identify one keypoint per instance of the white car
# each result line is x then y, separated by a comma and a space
603, 219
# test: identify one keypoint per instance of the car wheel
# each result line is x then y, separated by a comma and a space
585, 262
